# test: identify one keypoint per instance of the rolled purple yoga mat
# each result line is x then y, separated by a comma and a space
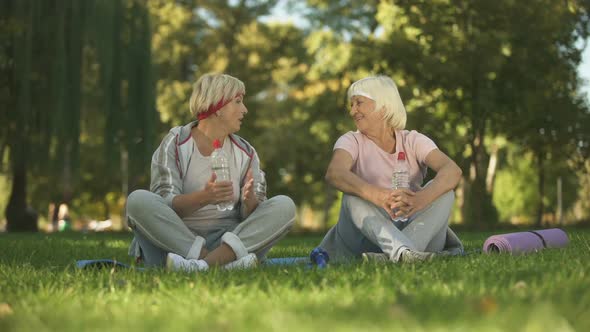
523, 242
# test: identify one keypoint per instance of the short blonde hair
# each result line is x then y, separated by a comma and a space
211, 88
384, 92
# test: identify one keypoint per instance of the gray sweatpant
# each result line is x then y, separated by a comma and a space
365, 227
159, 230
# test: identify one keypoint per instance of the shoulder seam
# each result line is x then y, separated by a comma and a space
245, 143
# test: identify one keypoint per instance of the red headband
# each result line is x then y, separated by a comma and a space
213, 108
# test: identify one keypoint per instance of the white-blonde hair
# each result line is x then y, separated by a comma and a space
211, 88
384, 92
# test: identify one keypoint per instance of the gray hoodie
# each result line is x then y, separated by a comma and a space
171, 160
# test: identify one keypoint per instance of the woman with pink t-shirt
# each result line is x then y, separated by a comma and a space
362, 166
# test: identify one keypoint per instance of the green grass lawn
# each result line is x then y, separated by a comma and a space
41, 290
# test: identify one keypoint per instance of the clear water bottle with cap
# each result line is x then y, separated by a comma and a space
220, 165
401, 177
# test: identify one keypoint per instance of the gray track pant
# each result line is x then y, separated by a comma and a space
159, 230
365, 227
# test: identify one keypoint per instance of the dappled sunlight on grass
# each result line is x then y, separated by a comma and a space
43, 290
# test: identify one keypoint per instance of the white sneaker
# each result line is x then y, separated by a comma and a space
176, 262
411, 256
245, 262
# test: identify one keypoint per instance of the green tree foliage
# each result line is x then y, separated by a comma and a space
352, 18
582, 205
466, 65
272, 61
176, 35
516, 193
539, 87
488, 81
44, 60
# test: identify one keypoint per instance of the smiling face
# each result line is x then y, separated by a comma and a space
362, 111
232, 114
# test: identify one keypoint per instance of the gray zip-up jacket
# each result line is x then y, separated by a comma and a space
171, 160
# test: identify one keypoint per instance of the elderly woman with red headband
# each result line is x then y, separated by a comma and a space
177, 223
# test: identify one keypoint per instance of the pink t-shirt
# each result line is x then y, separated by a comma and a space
375, 166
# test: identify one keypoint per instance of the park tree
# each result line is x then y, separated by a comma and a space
43, 63
539, 85
177, 50
455, 51
483, 79
469, 56
270, 58
457, 63
16, 113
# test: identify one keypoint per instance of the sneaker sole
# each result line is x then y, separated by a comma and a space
252, 263
248, 264
365, 258
169, 263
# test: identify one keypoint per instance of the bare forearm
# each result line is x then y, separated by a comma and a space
185, 204
446, 179
350, 183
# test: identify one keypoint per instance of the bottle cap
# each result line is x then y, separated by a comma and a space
401, 156
216, 144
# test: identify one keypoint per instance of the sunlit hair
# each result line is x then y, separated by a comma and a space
384, 92
211, 88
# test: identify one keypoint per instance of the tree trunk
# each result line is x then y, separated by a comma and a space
124, 179
541, 179
478, 209
492, 165
52, 215
19, 217
475, 195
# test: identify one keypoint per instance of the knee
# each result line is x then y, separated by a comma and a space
448, 197
351, 201
285, 207
445, 201
137, 201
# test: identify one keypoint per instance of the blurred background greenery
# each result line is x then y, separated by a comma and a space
88, 89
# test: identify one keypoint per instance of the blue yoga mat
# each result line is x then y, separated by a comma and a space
104, 264
287, 261
111, 263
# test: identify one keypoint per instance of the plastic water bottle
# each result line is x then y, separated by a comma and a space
220, 165
401, 177
319, 257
